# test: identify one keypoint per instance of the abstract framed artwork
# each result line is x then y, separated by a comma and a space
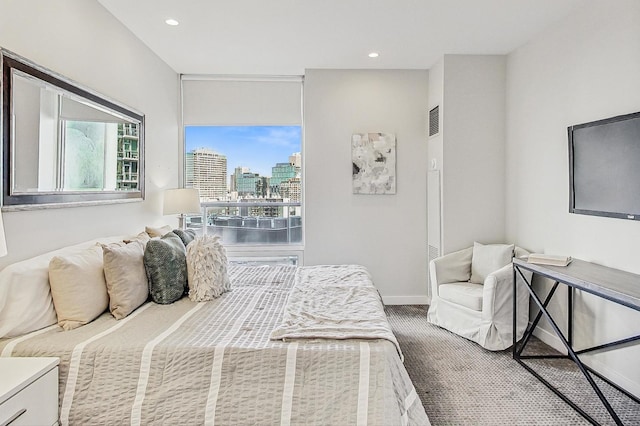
373, 156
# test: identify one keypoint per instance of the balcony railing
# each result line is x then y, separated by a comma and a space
251, 223
127, 177
128, 155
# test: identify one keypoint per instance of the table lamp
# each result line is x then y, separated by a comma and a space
181, 201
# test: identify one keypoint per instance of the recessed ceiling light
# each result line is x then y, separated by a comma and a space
171, 22
373, 55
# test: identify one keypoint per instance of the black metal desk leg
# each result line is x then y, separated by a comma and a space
570, 315
515, 312
529, 330
578, 362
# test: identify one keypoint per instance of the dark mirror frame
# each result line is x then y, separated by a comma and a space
24, 201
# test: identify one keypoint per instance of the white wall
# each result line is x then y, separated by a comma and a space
469, 151
385, 233
82, 41
585, 68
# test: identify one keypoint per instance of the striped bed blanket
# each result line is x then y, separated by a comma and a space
214, 363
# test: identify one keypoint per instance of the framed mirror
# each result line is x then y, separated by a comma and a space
63, 144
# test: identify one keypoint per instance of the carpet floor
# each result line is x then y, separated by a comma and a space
460, 383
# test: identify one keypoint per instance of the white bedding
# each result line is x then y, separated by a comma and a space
334, 302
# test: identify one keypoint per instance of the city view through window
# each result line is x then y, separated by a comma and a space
250, 182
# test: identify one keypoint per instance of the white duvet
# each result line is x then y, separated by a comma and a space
334, 302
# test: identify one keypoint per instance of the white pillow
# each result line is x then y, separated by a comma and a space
489, 258
25, 296
157, 231
207, 268
126, 277
78, 287
143, 238
457, 268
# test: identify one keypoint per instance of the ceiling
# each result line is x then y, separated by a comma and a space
284, 37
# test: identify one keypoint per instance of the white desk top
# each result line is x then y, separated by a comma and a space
17, 373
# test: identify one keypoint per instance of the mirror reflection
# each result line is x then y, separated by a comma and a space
66, 144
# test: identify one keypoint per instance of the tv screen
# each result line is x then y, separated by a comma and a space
604, 167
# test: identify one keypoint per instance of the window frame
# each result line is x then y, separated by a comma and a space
248, 250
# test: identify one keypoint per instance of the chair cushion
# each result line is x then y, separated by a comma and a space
455, 267
488, 258
465, 293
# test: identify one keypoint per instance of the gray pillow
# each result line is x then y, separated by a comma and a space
125, 276
186, 235
166, 266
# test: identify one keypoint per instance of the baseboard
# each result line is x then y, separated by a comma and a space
550, 339
615, 376
405, 300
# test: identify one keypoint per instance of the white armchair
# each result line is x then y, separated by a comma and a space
472, 295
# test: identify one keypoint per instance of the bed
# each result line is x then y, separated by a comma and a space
264, 353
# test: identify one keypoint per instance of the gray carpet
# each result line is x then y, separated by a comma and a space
460, 383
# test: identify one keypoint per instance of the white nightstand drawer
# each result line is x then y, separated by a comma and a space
36, 404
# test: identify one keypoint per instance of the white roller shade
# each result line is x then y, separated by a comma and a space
77, 111
228, 101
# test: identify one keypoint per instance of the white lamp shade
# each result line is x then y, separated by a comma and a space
3, 241
181, 201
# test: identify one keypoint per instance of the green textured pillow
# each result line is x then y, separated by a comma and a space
166, 266
186, 235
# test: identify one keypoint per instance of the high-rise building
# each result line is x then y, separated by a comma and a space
128, 163
206, 170
295, 159
246, 183
238, 171
292, 189
262, 187
281, 172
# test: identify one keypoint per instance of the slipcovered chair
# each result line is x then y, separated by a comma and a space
472, 294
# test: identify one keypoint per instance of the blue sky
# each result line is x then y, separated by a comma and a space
256, 147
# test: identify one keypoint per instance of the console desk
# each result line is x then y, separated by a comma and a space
611, 284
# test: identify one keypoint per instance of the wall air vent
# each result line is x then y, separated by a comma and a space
434, 121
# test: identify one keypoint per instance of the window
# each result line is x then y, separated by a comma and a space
250, 181
249, 176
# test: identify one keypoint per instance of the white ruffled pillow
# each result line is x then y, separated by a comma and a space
207, 268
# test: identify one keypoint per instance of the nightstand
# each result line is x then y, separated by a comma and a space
28, 391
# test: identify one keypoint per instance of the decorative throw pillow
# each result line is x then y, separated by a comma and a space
207, 268
186, 235
458, 267
157, 231
143, 238
489, 258
121, 243
78, 287
126, 278
166, 266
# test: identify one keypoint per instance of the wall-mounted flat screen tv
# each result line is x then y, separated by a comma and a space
604, 167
